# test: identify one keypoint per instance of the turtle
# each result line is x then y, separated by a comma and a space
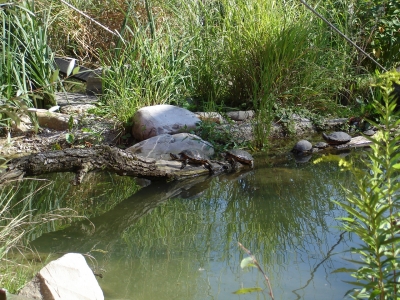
337, 138
369, 132
321, 145
194, 156
242, 156
302, 146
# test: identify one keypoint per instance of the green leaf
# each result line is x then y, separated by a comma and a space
344, 270
54, 76
75, 70
70, 138
248, 290
70, 123
247, 262
396, 166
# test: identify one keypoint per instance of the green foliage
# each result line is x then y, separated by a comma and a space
377, 24
231, 53
373, 208
15, 225
148, 69
218, 135
26, 62
373, 25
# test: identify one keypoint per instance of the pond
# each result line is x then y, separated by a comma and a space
175, 241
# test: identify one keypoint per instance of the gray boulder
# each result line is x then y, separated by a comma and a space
161, 119
160, 147
68, 277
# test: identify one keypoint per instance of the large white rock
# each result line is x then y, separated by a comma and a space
154, 120
160, 147
68, 277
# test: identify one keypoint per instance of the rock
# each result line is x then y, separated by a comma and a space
77, 109
161, 119
211, 117
160, 147
53, 120
303, 125
94, 82
24, 126
240, 133
333, 124
64, 99
240, 115
321, 145
68, 277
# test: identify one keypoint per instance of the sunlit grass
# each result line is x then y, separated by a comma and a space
17, 221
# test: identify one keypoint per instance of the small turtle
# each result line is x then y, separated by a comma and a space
240, 156
369, 132
321, 145
194, 156
302, 146
337, 138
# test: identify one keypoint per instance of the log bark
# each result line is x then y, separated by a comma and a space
82, 161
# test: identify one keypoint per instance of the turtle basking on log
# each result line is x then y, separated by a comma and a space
337, 138
241, 156
193, 156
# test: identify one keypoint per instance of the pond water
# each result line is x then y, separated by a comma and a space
174, 241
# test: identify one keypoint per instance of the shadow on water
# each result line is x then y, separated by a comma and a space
179, 240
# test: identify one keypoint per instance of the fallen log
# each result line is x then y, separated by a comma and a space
104, 158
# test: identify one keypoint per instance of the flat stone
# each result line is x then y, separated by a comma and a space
77, 109
53, 120
355, 142
63, 99
161, 119
68, 277
24, 126
211, 117
240, 115
160, 147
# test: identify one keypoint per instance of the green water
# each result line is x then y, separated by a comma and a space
179, 241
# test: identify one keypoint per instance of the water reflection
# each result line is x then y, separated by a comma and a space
170, 241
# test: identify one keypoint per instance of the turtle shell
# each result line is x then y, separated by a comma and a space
369, 132
321, 145
241, 156
302, 146
194, 155
337, 138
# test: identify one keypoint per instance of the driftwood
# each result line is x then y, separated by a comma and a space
82, 161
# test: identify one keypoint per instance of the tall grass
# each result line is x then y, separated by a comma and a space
229, 54
26, 60
17, 222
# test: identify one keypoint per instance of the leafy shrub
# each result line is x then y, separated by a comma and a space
373, 208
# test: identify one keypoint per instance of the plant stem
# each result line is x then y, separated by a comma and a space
259, 268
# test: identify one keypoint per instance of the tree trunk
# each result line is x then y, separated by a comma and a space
82, 161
